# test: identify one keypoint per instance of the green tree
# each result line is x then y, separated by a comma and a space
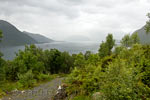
28, 60
10, 71
79, 60
106, 47
57, 62
66, 62
118, 50
135, 39
93, 59
110, 42
1, 63
103, 50
52, 60
87, 54
147, 26
126, 41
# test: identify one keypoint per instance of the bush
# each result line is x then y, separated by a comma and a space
2, 93
44, 77
81, 98
27, 80
122, 82
8, 86
82, 81
2, 70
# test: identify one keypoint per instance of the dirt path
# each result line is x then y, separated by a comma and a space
42, 92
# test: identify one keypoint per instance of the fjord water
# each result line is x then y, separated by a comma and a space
71, 47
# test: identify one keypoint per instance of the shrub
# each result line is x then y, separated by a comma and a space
2, 93
82, 81
27, 80
122, 82
81, 98
44, 77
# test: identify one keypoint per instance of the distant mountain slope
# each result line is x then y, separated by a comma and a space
39, 38
12, 36
144, 38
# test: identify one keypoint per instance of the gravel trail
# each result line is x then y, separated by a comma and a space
43, 92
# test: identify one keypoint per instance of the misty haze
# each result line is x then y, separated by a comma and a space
74, 50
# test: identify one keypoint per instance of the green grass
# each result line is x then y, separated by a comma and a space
2, 93
47, 79
81, 98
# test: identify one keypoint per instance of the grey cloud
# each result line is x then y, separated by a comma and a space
71, 2
30, 6
60, 18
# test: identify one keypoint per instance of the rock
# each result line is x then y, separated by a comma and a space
59, 88
14, 91
96, 96
22, 91
61, 93
64, 85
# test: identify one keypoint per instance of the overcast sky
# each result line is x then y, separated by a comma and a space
59, 19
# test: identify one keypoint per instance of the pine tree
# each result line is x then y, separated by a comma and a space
106, 47
135, 39
126, 41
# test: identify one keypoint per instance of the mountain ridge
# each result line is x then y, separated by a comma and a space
12, 36
144, 37
38, 37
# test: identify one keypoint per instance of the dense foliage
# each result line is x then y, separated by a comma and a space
32, 65
122, 75
128, 40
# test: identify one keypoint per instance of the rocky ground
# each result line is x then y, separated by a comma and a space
43, 92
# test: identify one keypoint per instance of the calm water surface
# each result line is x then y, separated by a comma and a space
71, 47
